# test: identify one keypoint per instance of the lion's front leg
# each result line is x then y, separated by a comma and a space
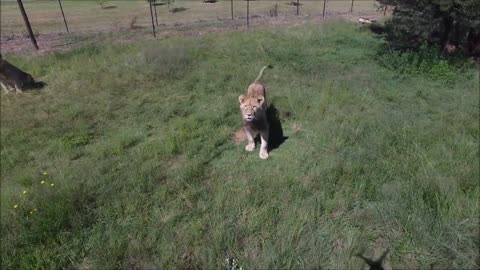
5, 88
251, 140
18, 89
264, 145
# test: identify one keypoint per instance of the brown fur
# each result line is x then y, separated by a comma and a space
254, 106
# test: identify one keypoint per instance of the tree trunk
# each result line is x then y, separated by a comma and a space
447, 30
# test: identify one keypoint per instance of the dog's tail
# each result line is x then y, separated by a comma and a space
261, 72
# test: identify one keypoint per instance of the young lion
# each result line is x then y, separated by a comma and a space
14, 79
254, 107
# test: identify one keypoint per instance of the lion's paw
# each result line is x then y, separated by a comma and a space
250, 147
263, 154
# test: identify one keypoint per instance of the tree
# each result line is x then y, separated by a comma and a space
450, 25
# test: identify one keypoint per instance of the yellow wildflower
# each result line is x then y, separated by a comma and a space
42, 182
15, 206
35, 209
52, 185
44, 173
24, 192
31, 212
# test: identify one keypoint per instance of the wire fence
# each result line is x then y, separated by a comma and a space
91, 16
58, 23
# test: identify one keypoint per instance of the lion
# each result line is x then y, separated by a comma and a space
14, 79
254, 106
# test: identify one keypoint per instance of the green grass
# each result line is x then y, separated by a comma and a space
137, 141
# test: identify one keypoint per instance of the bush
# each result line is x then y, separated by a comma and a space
448, 25
425, 61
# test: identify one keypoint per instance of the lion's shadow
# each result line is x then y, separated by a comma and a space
374, 264
275, 137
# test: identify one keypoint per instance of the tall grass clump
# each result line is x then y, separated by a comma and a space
425, 62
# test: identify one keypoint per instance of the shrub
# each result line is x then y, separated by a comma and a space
448, 25
425, 61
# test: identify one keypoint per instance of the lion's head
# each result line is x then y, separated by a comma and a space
251, 107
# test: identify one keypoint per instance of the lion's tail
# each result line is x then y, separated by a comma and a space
261, 72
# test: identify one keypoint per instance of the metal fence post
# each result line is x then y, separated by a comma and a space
248, 13
324, 4
151, 15
27, 24
63, 15
155, 6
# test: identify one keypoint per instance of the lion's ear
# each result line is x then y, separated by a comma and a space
241, 99
260, 100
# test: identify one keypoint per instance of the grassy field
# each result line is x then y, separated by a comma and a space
134, 146
45, 16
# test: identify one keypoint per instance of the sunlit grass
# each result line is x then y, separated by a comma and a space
137, 142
